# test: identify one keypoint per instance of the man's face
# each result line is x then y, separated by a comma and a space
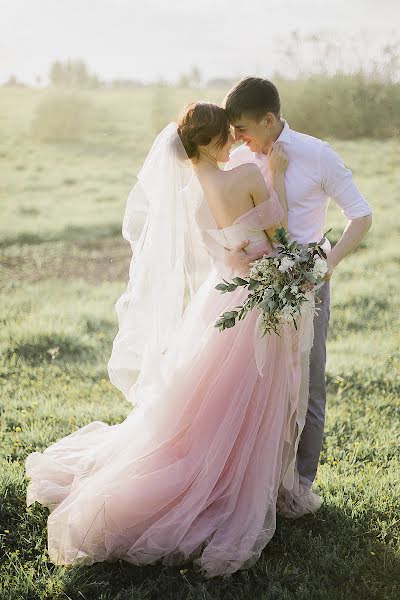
256, 135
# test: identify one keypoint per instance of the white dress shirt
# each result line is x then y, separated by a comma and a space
315, 174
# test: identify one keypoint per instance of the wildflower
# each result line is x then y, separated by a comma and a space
320, 267
286, 264
287, 313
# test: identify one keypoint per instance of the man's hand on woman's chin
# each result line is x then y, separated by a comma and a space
238, 260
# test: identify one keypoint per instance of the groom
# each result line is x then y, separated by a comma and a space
314, 174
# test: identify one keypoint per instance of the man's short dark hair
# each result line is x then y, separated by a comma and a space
252, 97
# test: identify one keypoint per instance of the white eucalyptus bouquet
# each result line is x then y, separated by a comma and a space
278, 284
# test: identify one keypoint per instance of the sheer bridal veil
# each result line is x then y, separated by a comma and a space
169, 258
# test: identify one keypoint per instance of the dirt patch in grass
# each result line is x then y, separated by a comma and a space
93, 261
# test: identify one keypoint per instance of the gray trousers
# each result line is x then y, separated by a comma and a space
310, 442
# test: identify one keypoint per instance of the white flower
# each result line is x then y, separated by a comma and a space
286, 263
287, 313
294, 289
320, 267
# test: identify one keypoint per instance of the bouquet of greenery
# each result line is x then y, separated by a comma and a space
278, 284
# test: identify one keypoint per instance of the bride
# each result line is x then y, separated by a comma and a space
206, 458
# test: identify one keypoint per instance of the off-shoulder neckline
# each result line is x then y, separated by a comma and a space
238, 219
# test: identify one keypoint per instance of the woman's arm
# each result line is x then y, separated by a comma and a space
278, 163
279, 187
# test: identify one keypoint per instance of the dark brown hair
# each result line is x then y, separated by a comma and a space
200, 123
252, 97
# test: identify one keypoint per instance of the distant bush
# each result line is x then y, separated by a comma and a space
338, 106
72, 74
162, 108
342, 106
63, 117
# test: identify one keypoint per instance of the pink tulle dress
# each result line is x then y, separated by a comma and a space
197, 474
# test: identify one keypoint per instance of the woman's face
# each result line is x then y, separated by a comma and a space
222, 152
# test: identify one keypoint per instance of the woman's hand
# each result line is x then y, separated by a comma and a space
277, 161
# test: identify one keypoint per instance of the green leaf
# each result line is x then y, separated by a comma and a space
310, 277
280, 236
269, 292
229, 323
232, 314
240, 281
220, 321
264, 305
252, 284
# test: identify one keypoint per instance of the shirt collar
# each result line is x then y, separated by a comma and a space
285, 137
285, 133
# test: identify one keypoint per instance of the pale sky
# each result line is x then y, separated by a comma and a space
150, 39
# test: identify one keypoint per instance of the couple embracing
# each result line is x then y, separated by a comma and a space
227, 426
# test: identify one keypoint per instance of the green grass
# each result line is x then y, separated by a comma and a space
64, 264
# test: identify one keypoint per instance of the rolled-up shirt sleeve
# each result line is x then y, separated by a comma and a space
337, 182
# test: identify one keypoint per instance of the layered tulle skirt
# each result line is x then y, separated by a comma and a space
196, 471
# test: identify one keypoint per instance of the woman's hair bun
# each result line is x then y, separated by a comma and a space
200, 123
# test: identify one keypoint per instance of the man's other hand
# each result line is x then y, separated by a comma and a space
239, 260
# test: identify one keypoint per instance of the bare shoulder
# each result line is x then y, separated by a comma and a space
247, 167
247, 172
250, 179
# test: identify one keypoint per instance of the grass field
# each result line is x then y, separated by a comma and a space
64, 264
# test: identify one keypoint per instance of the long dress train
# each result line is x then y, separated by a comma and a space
197, 475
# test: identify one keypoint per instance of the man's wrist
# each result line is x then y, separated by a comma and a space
332, 259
